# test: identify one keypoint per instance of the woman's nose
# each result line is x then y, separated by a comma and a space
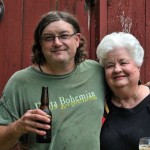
117, 68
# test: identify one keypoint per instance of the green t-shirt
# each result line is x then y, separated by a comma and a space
76, 101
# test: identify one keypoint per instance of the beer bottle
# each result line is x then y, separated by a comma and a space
45, 107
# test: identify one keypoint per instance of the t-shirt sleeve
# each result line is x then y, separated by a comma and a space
7, 113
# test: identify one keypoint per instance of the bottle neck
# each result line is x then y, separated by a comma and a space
44, 97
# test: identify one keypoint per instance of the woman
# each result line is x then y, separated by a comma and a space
128, 100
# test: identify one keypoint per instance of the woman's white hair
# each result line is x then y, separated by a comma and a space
120, 40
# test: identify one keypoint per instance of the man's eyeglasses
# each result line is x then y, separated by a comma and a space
62, 37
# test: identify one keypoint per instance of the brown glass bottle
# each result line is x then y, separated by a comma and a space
45, 107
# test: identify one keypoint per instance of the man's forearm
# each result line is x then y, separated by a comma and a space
9, 136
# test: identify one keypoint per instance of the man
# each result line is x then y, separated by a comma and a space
76, 89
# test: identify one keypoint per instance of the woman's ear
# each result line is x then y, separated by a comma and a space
139, 68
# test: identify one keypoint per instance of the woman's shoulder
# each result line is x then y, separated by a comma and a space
148, 84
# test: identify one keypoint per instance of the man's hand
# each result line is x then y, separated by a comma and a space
30, 122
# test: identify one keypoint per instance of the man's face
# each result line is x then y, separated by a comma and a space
59, 43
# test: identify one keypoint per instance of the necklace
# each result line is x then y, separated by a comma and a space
121, 103
40, 68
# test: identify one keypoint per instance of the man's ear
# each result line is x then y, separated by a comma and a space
78, 37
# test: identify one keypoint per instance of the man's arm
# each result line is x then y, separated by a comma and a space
29, 122
9, 136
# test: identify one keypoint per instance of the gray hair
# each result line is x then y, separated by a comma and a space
120, 40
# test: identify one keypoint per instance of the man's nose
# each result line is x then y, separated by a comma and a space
57, 41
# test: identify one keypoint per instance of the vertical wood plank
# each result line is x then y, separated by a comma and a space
33, 10
81, 13
147, 53
10, 40
98, 25
102, 18
93, 28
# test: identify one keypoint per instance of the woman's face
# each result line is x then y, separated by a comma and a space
59, 43
120, 69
